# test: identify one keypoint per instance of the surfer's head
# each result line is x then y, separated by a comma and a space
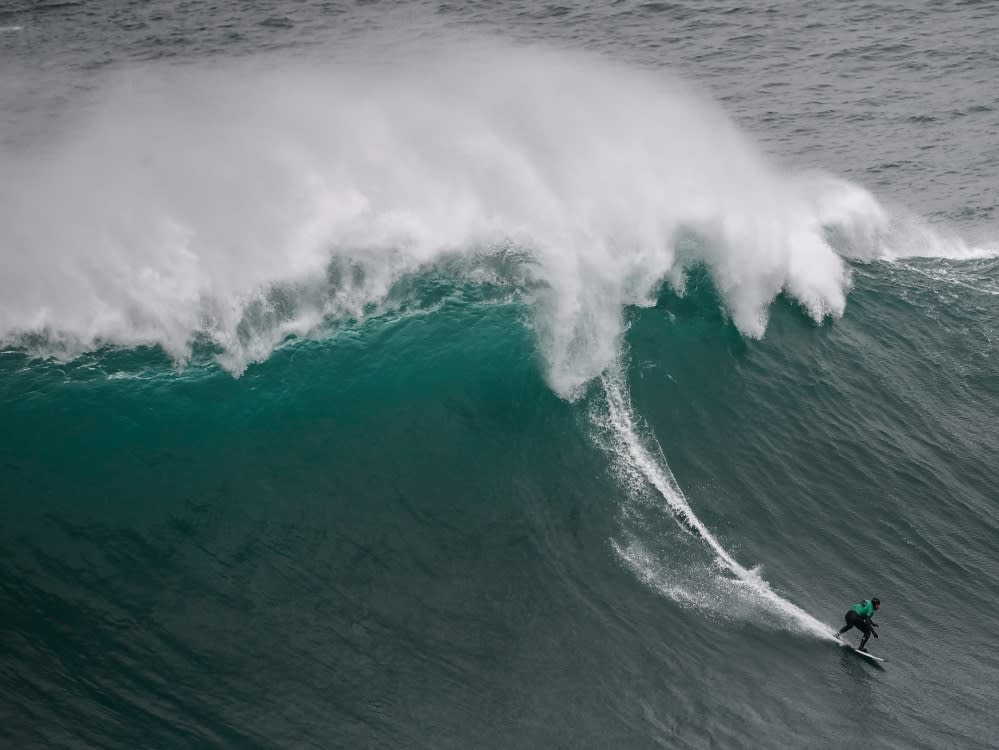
876, 602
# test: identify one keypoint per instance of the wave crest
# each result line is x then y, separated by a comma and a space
190, 203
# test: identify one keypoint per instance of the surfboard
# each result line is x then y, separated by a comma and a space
865, 654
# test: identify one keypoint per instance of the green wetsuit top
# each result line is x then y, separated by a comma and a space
864, 608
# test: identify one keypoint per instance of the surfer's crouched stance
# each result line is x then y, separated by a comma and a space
859, 617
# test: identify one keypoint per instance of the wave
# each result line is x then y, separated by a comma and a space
241, 204
187, 200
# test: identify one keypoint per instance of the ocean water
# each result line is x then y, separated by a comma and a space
498, 375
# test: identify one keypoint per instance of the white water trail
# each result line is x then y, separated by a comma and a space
732, 589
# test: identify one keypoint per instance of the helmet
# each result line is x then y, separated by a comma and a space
875, 601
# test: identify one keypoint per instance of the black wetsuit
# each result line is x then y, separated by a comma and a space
863, 624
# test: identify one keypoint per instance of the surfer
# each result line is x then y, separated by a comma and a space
859, 617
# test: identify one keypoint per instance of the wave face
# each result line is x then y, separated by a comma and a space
444, 390
404, 521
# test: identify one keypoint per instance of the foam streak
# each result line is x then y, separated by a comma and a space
642, 455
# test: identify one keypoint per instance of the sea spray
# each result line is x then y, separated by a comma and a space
185, 200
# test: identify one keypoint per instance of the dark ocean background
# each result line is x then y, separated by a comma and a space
498, 374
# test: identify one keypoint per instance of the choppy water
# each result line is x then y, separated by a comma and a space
497, 375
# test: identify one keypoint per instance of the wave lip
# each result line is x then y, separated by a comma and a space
186, 201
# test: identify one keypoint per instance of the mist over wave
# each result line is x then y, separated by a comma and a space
243, 203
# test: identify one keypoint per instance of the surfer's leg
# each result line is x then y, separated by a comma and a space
865, 626
851, 620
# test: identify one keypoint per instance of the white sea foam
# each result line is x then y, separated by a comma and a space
724, 586
211, 202
910, 236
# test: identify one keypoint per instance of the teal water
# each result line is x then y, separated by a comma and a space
358, 393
